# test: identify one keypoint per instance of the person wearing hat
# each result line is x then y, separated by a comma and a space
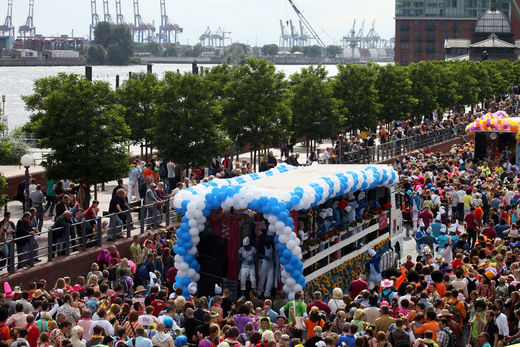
247, 256
451, 324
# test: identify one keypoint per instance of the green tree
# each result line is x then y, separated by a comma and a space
6, 146
194, 51
395, 93
136, 97
314, 111
334, 51
295, 49
170, 51
447, 91
81, 123
270, 50
185, 120
116, 40
255, 104
312, 51
468, 85
121, 45
96, 55
103, 33
424, 77
355, 89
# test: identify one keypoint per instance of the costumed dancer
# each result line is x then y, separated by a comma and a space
247, 255
374, 266
266, 269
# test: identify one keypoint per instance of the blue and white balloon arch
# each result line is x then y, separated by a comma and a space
196, 204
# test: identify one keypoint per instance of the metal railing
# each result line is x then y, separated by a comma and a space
388, 150
80, 235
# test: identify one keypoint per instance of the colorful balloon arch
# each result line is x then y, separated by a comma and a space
196, 204
498, 121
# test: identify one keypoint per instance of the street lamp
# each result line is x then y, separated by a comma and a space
26, 161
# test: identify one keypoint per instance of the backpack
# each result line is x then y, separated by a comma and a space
455, 313
452, 340
112, 273
123, 282
472, 284
142, 273
387, 293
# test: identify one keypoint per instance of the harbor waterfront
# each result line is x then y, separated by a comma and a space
18, 81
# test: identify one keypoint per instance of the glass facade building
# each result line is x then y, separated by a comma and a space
446, 8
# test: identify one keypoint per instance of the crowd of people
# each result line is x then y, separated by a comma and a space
461, 288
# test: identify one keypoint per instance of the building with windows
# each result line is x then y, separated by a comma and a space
422, 26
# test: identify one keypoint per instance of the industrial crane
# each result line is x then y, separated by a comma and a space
166, 29
311, 30
95, 18
304, 38
28, 29
145, 31
206, 36
219, 37
7, 29
284, 37
120, 19
106, 12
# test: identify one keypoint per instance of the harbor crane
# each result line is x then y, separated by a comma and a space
28, 29
106, 12
95, 18
143, 32
304, 38
167, 30
310, 29
284, 37
7, 29
120, 19
206, 39
219, 37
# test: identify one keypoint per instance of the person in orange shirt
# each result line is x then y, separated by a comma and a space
431, 324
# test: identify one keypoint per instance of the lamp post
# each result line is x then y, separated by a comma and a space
26, 161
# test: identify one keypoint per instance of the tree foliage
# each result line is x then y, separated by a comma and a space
333, 51
395, 93
185, 120
81, 123
270, 50
256, 107
314, 109
355, 90
114, 45
136, 98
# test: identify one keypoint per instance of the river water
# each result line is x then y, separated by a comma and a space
18, 81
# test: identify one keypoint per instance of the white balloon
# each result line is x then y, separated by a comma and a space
192, 223
288, 230
279, 225
196, 277
183, 266
198, 213
242, 204
189, 213
297, 287
178, 258
282, 238
291, 244
177, 203
271, 219
291, 294
192, 251
194, 231
191, 273
195, 240
181, 273
290, 282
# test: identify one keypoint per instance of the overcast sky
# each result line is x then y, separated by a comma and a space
249, 21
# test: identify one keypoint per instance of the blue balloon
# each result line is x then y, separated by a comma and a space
181, 251
289, 268
263, 201
222, 196
197, 267
295, 273
186, 237
188, 245
295, 200
283, 215
294, 259
254, 204
284, 260
188, 258
286, 253
185, 220
273, 201
184, 204
177, 285
275, 210
185, 281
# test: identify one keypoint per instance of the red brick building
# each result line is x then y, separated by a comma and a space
422, 26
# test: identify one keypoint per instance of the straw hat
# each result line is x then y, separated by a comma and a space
139, 289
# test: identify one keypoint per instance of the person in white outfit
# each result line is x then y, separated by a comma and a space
247, 255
